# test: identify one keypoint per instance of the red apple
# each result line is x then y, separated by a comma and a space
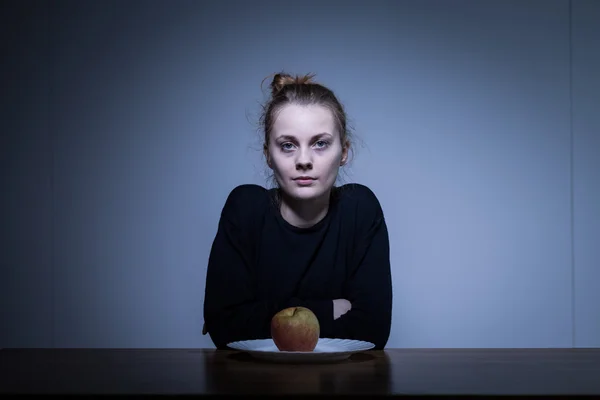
295, 329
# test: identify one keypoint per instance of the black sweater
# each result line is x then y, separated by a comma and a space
260, 264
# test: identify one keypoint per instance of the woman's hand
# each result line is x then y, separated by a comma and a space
341, 307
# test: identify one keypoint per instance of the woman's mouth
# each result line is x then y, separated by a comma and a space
304, 180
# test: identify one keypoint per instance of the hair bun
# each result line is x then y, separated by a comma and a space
281, 80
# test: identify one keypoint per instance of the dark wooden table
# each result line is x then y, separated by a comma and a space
389, 372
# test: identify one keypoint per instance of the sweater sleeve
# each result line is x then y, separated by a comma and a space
231, 310
369, 284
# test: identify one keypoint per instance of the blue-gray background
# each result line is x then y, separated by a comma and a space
126, 124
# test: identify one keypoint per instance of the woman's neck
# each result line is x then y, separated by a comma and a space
304, 213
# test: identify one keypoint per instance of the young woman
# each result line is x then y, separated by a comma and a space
305, 242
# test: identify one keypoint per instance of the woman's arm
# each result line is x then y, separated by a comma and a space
369, 285
231, 310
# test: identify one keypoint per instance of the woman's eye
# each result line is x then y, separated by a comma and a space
290, 146
322, 143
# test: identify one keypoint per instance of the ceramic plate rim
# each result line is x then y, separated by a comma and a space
364, 346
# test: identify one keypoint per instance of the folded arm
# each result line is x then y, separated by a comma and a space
233, 312
369, 291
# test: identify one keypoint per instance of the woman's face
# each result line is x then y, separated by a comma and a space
305, 151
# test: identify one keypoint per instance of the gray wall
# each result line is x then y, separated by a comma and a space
126, 124
586, 172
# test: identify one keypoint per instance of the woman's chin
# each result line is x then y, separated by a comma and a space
305, 192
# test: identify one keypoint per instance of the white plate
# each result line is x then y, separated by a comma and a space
327, 350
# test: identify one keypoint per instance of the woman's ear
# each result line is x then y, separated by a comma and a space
345, 154
267, 156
